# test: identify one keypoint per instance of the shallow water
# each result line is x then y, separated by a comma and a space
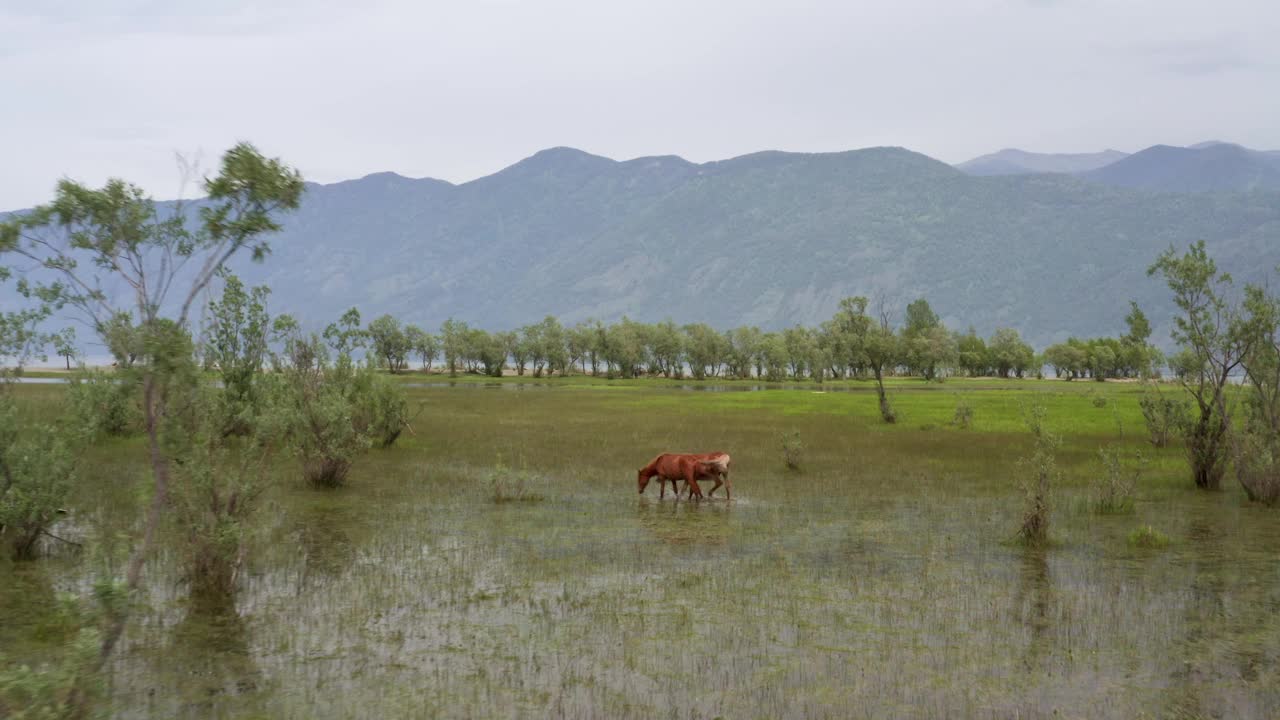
877, 583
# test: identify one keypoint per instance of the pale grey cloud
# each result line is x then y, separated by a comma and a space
458, 89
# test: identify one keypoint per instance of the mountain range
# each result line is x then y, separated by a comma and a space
768, 239
1212, 166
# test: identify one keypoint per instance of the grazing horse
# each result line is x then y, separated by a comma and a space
687, 467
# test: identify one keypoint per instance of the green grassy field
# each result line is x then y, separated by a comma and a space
880, 580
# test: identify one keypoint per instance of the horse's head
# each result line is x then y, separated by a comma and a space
642, 480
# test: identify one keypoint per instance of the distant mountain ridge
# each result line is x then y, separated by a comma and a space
769, 239
1012, 161
1211, 166
1207, 167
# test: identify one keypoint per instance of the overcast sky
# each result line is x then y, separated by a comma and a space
460, 89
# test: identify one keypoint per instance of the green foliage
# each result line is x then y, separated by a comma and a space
963, 417
1214, 340
105, 403
1114, 488
1163, 413
237, 331
218, 479
390, 344
1256, 445
1039, 474
381, 407
315, 405
792, 450
423, 344
345, 335
37, 472
63, 689
1009, 355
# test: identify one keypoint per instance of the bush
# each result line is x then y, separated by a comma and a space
382, 411
1257, 462
316, 406
59, 690
1114, 488
506, 485
1039, 474
963, 418
1148, 537
792, 450
39, 465
1163, 415
106, 403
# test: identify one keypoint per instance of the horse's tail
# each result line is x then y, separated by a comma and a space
720, 461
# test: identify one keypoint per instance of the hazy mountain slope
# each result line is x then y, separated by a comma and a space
769, 239
1208, 167
1012, 161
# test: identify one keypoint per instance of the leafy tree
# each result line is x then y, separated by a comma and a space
389, 343
345, 335
1257, 443
64, 345
1214, 341
1009, 354
742, 348
867, 344
86, 237
704, 350
423, 344
237, 331
974, 359
920, 319
624, 348
453, 344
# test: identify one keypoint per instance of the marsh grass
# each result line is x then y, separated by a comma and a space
1147, 537
512, 486
792, 450
877, 583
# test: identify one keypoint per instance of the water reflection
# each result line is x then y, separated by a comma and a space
1035, 602
209, 651
327, 548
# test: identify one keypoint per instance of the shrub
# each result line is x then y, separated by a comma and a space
38, 465
61, 689
963, 418
1039, 473
792, 450
887, 413
1114, 488
507, 485
1163, 414
382, 411
105, 403
1148, 537
315, 405
1257, 461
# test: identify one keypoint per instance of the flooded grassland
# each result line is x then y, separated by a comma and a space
879, 580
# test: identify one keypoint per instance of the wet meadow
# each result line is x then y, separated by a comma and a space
880, 577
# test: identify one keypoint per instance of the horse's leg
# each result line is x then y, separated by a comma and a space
662, 488
719, 482
691, 479
728, 487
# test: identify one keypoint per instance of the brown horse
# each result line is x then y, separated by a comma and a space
688, 467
